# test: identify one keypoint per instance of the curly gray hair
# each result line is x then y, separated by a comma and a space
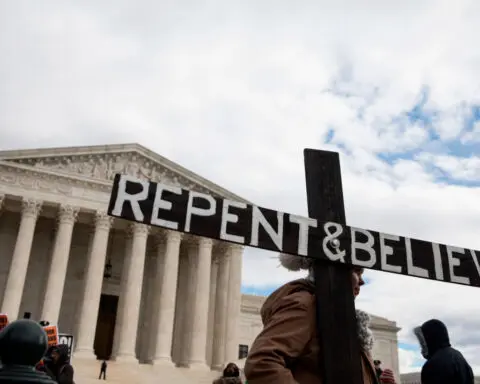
295, 263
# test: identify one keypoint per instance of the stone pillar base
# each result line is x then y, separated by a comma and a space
163, 362
125, 359
84, 354
197, 366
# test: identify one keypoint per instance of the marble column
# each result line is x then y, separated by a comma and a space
182, 305
132, 294
166, 293
12, 296
234, 303
199, 320
211, 302
189, 296
220, 317
93, 286
59, 263
127, 237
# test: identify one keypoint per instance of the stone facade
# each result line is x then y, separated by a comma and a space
124, 290
157, 302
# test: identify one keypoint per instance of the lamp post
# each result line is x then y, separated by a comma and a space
107, 273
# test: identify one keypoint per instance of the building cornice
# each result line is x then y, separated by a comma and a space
196, 182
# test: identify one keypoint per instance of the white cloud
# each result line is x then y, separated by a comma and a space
408, 360
235, 90
472, 136
455, 167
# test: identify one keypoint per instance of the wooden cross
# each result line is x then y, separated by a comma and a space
335, 306
324, 236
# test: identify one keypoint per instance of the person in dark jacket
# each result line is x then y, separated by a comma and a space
59, 367
231, 375
41, 365
445, 365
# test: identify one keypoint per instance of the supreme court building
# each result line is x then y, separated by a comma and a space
126, 291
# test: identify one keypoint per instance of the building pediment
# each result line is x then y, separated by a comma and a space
101, 163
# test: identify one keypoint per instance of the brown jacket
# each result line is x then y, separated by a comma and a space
286, 351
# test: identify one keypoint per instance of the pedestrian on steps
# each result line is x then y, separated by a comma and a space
103, 371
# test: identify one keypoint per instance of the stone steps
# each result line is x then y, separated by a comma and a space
87, 371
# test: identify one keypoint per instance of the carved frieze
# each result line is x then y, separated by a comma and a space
105, 166
36, 182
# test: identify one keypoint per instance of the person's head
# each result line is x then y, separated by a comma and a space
47, 358
357, 280
432, 336
55, 355
59, 354
231, 370
297, 263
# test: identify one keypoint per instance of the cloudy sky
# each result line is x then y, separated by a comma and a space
234, 90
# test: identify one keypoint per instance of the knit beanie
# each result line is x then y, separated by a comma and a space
387, 377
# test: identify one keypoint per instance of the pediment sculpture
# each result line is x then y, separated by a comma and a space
105, 166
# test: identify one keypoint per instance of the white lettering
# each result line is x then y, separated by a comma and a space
259, 219
123, 196
159, 203
437, 260
228, 217
331, 241
455, 262
475, 261
367, 247
191, 210
65, 339
385, 251
304, 223
413, 270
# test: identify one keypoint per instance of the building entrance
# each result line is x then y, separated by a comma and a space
107, 316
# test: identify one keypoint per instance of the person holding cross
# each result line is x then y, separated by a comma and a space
287, 350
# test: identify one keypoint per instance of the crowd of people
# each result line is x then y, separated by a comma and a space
287, 350
26, 357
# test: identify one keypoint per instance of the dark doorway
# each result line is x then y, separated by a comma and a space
107, 315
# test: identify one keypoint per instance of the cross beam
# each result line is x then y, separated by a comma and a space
183, 210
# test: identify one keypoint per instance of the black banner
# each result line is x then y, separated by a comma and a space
203, 215
66, 339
